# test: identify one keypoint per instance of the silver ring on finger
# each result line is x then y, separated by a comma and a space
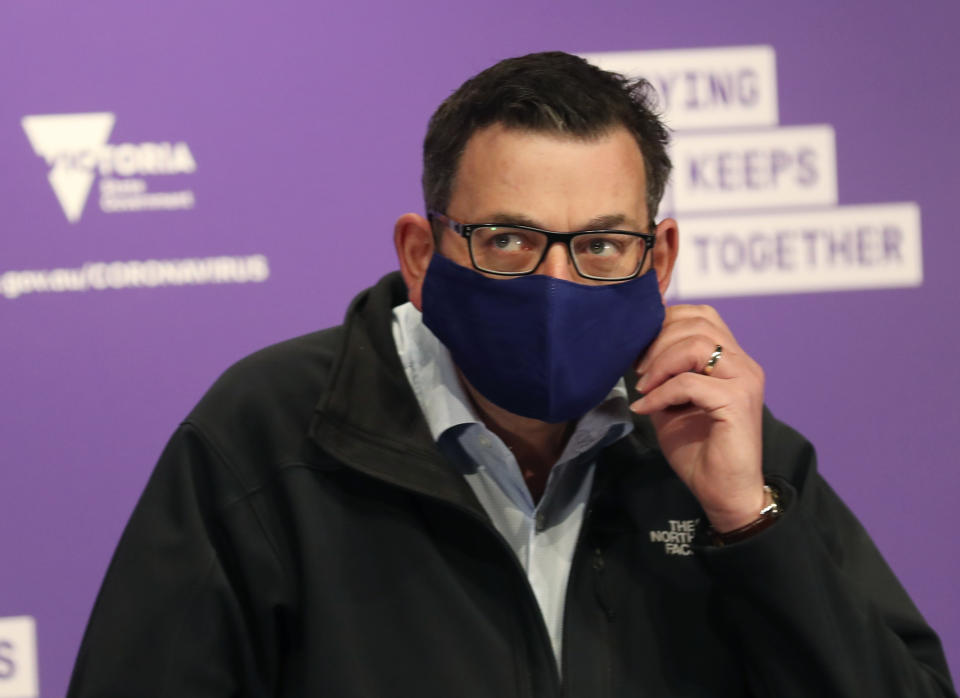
712, 361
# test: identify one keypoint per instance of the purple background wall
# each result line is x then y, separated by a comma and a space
305, 122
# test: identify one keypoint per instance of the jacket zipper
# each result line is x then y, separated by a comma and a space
531, 598
544, 636
576, 573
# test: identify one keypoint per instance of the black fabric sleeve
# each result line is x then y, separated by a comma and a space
813, 605
174, 617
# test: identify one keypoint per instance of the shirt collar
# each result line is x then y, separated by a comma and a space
445, 404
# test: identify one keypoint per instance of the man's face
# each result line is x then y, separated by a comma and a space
549, 181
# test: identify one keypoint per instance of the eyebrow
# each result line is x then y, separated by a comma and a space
604, 222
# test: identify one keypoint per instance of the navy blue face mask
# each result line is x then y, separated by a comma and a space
538, 346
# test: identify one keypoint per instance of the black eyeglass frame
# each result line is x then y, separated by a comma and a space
466, 231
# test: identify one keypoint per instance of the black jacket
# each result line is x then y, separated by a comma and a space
303, 536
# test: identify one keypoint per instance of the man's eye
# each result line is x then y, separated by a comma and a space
601, 247
508, 242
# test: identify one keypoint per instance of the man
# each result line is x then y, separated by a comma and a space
448, 494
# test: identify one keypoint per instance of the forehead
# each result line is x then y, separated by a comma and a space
561, 181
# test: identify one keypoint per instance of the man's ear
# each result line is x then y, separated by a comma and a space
665, 251
413, 238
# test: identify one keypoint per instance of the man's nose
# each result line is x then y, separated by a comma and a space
558, 264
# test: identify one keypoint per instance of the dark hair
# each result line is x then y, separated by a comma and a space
547, 92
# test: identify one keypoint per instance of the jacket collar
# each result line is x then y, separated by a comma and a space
369, 419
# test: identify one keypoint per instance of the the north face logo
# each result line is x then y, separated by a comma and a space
677, 537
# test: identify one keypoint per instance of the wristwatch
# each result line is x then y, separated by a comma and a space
770, 512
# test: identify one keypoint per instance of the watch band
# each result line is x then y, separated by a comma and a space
768, 515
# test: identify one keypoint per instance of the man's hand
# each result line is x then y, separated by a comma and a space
708, 426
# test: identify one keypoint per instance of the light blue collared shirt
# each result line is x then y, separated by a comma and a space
543, 535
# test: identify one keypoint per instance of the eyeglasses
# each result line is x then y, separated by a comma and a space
516, 250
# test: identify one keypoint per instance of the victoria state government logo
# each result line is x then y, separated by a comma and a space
76, 150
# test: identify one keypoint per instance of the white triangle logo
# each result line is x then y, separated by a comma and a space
70, 144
